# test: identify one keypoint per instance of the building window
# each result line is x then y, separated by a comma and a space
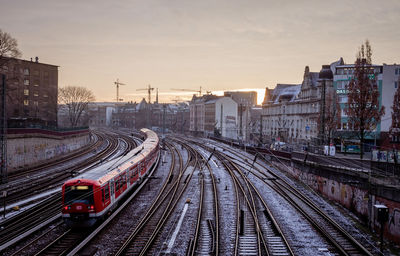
36, 72
396, 71
36, 103
26, 71
45, 95
5, 69
26, 92
344, 126
396, 84
26, 81
343, 99
36, 94
26, 102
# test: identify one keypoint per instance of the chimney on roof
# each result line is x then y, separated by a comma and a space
31, 59
36, 59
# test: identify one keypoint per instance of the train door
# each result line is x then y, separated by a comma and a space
105, 195
142, 168
112, 191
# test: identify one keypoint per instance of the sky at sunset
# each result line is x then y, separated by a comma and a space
218, 45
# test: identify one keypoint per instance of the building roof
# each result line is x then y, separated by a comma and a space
314, 78
287, 92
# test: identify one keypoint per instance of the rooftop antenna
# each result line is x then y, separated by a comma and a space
157, 96
118, 83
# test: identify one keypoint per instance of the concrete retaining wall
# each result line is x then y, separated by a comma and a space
27, 149
352, 193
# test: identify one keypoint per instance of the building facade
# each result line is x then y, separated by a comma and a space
342, 77
290, 112
32, 91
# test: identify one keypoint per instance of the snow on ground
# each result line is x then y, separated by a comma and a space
302, 235
26, 204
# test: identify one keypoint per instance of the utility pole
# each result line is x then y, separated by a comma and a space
323, 110
221, 118
241, 121
3, 131
261, 127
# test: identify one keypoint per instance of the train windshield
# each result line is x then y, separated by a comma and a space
78, 194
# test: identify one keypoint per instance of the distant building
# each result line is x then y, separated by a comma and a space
100, 113
221, 118
342, 77
290, 111
248, 98
32, 91
390, 83
197, 113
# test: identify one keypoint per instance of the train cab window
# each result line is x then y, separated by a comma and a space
79, 194
102, 195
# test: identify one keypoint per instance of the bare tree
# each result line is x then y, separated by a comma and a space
76, 99
332, 115
363, 108
394, 130
8, 46
9, 49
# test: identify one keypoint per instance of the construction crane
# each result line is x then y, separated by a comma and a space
148, 89
118, 83
188, 90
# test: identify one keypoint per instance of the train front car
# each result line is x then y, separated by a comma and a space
98, 191
80, 202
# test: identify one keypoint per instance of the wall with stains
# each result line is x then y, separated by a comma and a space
22, 152
353, 195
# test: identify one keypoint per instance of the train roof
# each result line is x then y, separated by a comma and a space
112, 168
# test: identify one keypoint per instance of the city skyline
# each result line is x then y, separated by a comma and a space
224, 45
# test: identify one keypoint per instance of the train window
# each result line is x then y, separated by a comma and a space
102, 195
79, 194
107, 192
117, 182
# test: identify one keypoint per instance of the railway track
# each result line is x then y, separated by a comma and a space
257, 232
64, 243
36, 217
139, 195
54, 175
341, 241
142, 238
205, 240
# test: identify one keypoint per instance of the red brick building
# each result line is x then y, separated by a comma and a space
31, 92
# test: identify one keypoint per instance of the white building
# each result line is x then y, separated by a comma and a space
390, 83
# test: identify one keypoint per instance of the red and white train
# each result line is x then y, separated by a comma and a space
92, 195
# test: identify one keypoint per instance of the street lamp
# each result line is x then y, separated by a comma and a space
324, 75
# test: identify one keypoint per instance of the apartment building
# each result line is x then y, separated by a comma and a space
32, 91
